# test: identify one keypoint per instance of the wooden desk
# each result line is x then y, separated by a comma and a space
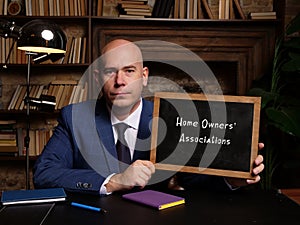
202, 207
292, 193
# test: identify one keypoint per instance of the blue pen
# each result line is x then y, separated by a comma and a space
88, 207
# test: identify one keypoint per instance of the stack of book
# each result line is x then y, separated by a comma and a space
134, 8
262, 15
8, 138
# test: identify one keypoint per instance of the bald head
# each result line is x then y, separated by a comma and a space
122, 51
115, 44
121, 44
123, 76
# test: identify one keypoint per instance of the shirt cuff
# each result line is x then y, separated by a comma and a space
103, 190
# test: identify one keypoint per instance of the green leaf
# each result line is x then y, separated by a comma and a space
286, 119
267, 97
295, 56
294, 25
291, 66
293, 42
290, 101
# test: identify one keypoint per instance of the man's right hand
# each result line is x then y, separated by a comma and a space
137, 174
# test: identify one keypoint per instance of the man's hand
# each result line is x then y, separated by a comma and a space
258, 168
137, 174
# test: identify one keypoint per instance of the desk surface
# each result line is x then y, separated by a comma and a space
202, 207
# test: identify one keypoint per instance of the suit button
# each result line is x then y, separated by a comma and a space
79, 185
86, 185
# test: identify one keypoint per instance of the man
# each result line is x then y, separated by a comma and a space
81, 155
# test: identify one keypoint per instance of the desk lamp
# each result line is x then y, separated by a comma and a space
40, 40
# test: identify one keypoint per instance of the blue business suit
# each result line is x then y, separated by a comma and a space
84, 140
82, 153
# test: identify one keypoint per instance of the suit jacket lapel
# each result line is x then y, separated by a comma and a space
104, 129
143, 143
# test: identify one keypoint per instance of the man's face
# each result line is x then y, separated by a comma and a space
123, 78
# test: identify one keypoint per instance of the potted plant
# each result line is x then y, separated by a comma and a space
280, 101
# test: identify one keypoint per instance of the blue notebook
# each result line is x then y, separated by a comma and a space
33, 196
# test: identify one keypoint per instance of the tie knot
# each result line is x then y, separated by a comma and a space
121, 128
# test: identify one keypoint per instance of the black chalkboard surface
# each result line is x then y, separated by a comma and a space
209, 134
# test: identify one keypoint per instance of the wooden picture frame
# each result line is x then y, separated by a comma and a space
207, 134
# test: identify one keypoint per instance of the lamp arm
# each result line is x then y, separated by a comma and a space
9, 29
9, 53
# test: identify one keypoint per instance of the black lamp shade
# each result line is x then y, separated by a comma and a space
42, 37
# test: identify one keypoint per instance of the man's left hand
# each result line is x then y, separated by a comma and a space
258, 168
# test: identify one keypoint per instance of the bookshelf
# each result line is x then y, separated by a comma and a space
88, 30
90, 27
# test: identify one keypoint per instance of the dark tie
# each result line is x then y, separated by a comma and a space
122, 146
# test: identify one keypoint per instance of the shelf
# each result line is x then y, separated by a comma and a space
17, 158
50, 66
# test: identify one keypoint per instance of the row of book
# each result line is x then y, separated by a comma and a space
44, 7
64, 92
164, 9
67, 93
187, 9
9, 52
200, 9
38, 139
230, 9
180, 9
12, 142
97, 7
76, 52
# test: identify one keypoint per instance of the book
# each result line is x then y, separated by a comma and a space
263, 13
9, 149
33, 196
206, 10
99, 8
156, 199
263, 17
14, 98
238, 8
7, 122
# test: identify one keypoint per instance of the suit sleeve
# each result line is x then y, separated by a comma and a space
62, 165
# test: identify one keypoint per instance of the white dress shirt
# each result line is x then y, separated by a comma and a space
133, 121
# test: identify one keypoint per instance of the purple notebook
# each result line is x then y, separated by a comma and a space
155, 199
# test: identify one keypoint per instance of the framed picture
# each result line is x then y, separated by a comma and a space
208, 134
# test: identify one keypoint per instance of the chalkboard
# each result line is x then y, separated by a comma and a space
209, 134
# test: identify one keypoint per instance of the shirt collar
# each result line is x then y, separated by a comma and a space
132, 120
